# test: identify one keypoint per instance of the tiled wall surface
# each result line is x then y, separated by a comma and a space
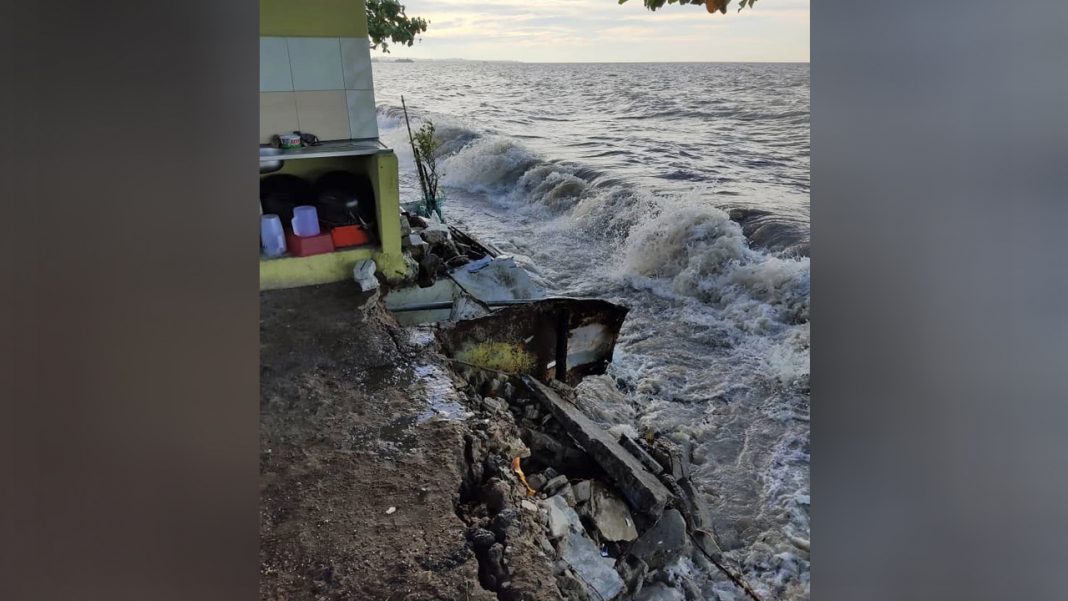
316, 85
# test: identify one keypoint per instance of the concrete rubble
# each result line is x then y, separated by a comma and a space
664, 542
609, 514
561, 517
597, 572
641, 488
616, 532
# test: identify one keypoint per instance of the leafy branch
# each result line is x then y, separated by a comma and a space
711, 5
426, 148
386, 20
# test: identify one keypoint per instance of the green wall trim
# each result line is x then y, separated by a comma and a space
313, 18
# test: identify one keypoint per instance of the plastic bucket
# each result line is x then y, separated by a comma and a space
305, 221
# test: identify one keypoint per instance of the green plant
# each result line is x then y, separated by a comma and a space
386, 20
426, 147
711, 5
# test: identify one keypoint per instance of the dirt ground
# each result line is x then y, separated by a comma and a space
345, 437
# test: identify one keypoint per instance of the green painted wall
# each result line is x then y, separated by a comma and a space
313, 18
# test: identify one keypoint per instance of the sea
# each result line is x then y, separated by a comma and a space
680, 190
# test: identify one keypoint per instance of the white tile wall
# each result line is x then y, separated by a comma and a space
323, 113
278, 114
328, 81
363, 120
275, 75
316, 63
356, 63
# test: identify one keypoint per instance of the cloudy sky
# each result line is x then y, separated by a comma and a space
602, 30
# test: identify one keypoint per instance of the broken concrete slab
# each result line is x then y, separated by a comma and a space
636, 449
609, 515
566, 492
497, 279
596, 572
664, 542
415, 243
562, 518
582, 490
643, 490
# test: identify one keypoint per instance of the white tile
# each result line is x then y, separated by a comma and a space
316, 63
278, 114
363, 120
323, 113
274, 66
356, 64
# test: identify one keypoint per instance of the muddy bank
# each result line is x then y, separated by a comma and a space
349, 431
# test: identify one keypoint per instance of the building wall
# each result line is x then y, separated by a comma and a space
315, 69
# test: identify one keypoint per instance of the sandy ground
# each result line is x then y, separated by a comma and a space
345, 436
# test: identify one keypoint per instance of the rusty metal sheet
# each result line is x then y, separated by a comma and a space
556, 338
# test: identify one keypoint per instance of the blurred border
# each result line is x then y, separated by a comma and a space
940, 336
130, 304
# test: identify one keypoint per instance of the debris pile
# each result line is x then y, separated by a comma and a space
435, 248
547, 489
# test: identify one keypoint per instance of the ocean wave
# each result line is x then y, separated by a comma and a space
702, 253
488, 164
697, 250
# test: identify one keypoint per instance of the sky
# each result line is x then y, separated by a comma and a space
605, 31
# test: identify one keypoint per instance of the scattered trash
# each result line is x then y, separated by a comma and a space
522, 478
364, 274
391, 511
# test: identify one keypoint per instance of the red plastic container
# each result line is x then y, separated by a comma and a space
349, 235
312, 245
